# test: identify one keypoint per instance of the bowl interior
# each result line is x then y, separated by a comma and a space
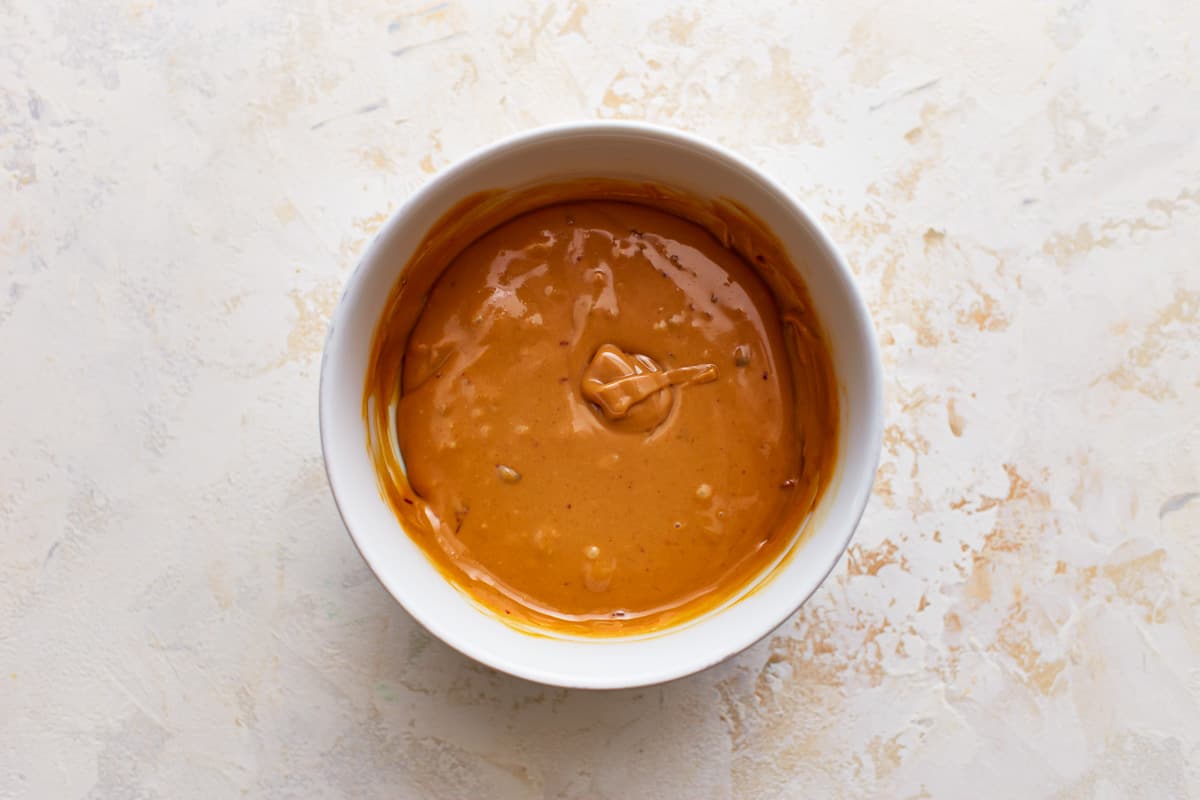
631, 152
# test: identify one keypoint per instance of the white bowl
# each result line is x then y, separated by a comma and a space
624, 151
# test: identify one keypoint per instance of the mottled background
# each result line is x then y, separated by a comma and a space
185, 188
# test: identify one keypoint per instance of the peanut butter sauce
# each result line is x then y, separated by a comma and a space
605, 423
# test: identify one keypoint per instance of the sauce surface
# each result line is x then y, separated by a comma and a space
601, 420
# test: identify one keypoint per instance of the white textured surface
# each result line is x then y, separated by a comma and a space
186, 186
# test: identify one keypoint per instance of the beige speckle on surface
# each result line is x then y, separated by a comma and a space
185, 189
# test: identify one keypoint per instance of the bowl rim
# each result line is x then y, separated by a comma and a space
872, 395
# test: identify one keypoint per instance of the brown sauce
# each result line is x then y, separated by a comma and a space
609, 422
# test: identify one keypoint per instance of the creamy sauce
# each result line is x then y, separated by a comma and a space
607, 423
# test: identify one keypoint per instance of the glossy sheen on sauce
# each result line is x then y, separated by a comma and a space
600, 422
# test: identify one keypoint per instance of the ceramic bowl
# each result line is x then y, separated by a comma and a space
629, 151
